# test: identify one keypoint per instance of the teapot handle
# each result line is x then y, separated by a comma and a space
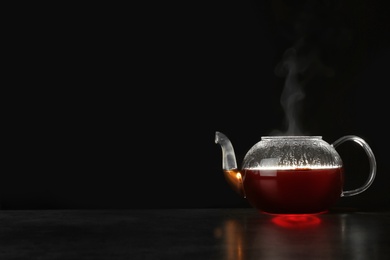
371, 159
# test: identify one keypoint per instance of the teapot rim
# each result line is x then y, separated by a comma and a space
291, 137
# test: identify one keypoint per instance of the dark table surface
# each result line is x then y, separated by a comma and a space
192, 234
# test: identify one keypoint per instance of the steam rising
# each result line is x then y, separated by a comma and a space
293, 90
299, 65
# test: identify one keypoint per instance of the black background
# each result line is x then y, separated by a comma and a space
117, 106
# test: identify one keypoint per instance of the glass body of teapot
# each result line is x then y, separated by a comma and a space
291, 174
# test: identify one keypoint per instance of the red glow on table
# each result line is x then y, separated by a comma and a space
296, 220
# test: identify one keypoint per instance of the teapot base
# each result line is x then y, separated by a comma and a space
292, 213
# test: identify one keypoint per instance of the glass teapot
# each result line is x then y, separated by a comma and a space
291, 174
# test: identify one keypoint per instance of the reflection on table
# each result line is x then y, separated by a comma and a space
192, 234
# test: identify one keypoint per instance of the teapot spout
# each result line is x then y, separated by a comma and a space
228, 156
229, 164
